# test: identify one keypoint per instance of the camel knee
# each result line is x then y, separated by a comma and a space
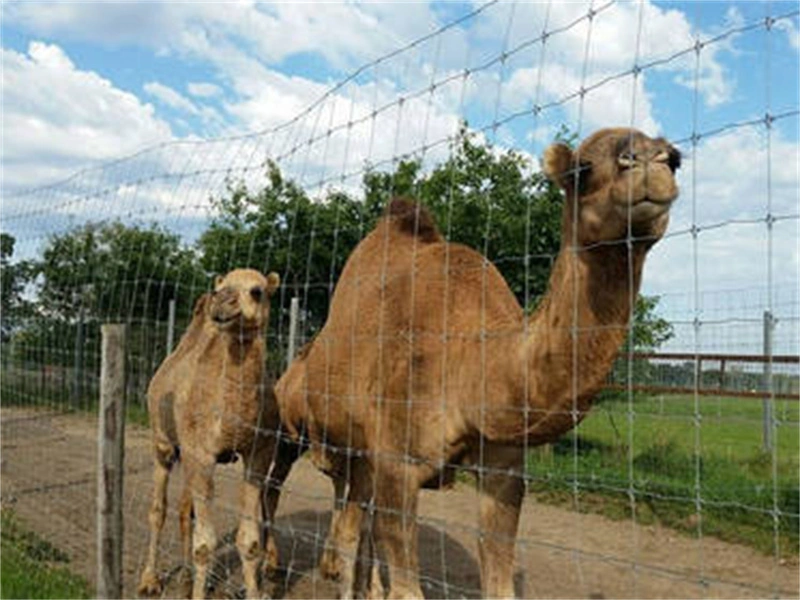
204, 543
248, 543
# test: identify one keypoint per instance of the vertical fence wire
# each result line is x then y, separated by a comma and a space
375, 121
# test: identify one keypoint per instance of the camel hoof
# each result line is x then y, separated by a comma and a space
184, 582
270, 568
150, 585
330, 565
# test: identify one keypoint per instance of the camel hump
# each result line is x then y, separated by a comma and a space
413, 218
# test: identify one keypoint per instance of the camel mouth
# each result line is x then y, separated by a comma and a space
237, 322
227, 320
647, 209
659, 202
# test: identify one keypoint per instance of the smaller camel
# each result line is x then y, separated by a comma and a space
209, 403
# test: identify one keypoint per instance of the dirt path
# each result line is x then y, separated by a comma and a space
48, 478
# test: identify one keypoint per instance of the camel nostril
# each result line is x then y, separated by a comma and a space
674, 160
626, 160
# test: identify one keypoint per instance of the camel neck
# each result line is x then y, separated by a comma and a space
575, 334
243, 347
238, 349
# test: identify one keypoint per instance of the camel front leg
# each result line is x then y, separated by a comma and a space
200, 478
150, 582
501, 490
248, 538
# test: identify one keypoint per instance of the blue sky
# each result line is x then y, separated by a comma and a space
88, 82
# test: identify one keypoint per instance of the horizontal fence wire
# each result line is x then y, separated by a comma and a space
676, 451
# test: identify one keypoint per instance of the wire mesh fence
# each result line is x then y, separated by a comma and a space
693, 500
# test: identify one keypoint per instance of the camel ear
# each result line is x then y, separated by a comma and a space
200, 305
218, 281
557, 162
273, 281
564, 169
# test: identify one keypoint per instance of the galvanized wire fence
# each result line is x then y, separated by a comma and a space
139, 239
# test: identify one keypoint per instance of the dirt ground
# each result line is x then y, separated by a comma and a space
49, 479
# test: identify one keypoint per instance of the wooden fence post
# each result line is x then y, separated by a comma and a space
111, 460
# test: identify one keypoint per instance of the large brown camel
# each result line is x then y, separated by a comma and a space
209, 403
427, 361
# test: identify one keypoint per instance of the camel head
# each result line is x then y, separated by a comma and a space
240, 300
616, 178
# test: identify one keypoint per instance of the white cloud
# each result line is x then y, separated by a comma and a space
247, 42
623, 101
170, 97
792, 30
617, 38
203, 89
272, 31
57, 118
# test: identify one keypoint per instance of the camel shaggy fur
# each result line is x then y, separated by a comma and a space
209, 403
427, 361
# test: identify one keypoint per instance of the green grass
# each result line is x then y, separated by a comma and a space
700, 469
32, 568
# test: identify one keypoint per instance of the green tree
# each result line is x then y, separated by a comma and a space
15, 277
115, 271
103, 272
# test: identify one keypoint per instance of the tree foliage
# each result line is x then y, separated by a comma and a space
15, 277
115, 271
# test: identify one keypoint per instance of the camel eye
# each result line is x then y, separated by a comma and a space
257, 294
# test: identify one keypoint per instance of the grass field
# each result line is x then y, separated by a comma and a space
697, 467
32, 568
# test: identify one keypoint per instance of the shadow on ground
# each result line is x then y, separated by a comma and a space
447, 569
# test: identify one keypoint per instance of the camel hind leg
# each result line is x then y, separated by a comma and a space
186, 520
396, 499
330, 564
150, 583
285, 455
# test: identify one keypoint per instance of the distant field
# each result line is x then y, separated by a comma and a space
729, 428
697, 467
